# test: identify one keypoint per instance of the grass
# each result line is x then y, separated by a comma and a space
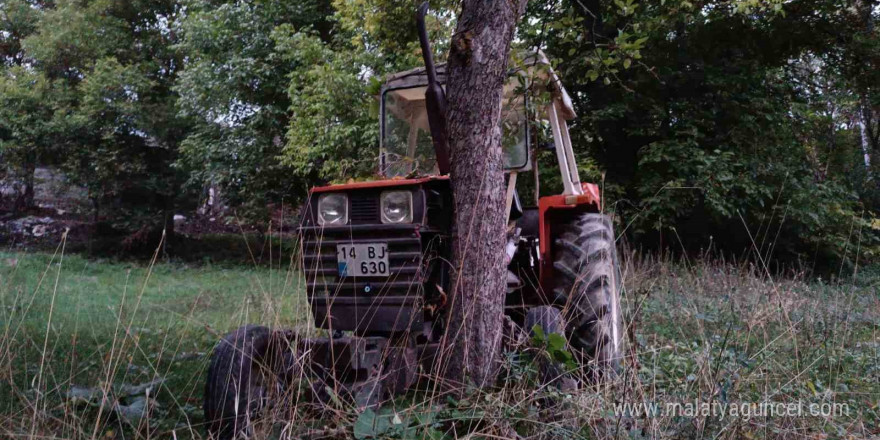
83, 325
705, 331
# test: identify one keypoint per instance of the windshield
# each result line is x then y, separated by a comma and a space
406, 137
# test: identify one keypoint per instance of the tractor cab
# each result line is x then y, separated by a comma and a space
405, 136
405, 143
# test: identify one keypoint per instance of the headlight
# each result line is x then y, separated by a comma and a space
397, 207
333, 209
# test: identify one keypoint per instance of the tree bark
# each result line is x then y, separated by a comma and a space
25, 200
477, 70
30, 172
865, 138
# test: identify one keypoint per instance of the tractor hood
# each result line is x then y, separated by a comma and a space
377, 184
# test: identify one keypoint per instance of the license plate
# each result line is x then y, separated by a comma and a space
362, 260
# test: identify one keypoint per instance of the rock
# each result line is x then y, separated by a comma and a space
135, 411
88, 396
40, 230
179, 219
144, 388
82, 395
25, 224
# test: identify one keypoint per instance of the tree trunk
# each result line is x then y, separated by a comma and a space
25, 200
866, 144
30, 172
168, 227
477, 70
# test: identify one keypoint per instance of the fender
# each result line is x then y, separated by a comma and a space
590, 201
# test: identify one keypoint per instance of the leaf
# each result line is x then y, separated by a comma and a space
812, 387
555, 342
426, 418
538, 333
626, 63
373, 425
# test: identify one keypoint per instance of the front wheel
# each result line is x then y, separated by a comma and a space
238, 382
587, 286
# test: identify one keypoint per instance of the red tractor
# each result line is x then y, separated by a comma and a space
375, 257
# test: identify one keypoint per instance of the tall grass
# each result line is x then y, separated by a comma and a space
98, 349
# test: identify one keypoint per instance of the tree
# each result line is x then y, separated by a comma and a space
27, 127
18, 19
235, 85
477, 70
332, 135
121, 130
698, 116
25, 100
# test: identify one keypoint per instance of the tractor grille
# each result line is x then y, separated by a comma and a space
364, 209
382, 304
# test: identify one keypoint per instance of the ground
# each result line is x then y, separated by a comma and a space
699, 333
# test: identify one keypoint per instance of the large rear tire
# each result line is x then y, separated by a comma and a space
238, 383
587, 287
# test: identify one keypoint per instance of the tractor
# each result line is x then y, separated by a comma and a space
375, 256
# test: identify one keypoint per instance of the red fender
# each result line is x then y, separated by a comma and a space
590, 201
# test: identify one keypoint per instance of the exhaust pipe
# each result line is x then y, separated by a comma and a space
435, 98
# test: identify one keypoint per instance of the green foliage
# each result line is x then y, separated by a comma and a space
27, 111
555, 346
707, 125
26, 116
235, 85
18, 19
742, 121
73, 35
110, 66
333, 132
388, 423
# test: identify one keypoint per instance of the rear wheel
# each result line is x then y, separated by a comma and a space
587, 286
238, 384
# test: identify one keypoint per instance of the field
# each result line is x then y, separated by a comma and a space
115, 325
104, 349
